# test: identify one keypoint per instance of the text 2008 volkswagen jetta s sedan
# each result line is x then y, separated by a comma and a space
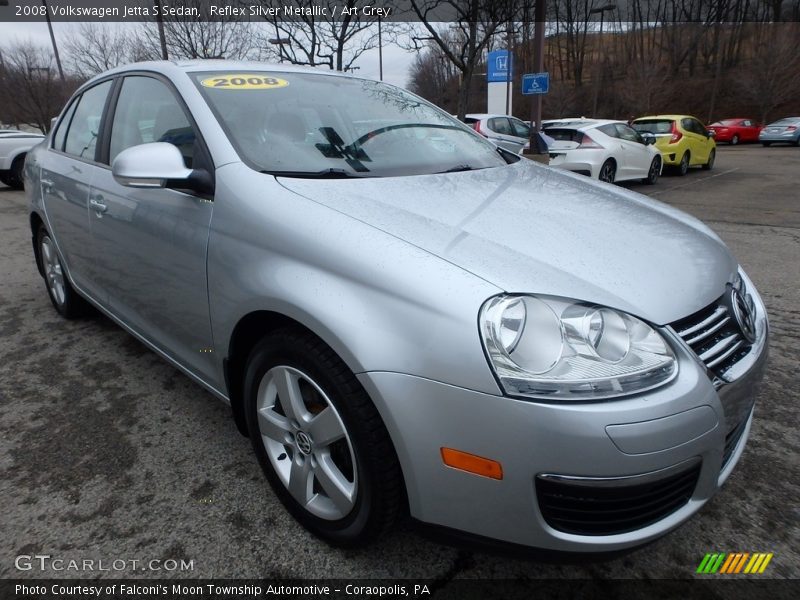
403, 317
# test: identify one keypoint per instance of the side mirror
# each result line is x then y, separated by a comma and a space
158, 165
649, 139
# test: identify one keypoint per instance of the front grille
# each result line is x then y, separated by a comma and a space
731, 440
608, 506
714, 336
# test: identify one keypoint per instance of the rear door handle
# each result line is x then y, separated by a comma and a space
97, 204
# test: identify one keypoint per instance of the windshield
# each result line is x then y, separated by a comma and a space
653, 126
317, 125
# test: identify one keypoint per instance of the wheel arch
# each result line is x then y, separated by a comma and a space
250, 329
36, 222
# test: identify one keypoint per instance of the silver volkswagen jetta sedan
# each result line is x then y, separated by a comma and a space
403, 318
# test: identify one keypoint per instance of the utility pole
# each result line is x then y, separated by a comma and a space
53, 40
537, 144
161, 36
380, 50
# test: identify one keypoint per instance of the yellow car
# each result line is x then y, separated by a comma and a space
683, 140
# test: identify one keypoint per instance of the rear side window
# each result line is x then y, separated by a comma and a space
501, 126
61, 133
147, 111
653, 126
81, 140
609, 130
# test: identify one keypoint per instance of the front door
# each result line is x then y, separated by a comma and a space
151, 243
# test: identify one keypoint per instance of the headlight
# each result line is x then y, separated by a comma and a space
560, 349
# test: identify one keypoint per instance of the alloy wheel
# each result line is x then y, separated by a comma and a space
734, 140
53, 272
307, 443
607, 172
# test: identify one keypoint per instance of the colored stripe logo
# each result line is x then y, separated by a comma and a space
732, 563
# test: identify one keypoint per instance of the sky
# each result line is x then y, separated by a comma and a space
396, 62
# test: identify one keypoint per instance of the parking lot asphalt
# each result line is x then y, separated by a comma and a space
108, 452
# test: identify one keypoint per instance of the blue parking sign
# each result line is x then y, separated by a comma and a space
535, 83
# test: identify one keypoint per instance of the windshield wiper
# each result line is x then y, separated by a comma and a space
324, 174
459, 168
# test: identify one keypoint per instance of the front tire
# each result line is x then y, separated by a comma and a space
766, 144
711, 158
608, 171
15, 178
64, 298
320, 441
654, 172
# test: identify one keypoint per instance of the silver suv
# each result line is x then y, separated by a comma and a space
403, 317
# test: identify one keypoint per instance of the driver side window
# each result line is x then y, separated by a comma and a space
147, 111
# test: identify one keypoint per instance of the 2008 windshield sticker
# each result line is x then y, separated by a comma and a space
243, 81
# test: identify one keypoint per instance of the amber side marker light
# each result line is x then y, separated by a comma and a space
472, 464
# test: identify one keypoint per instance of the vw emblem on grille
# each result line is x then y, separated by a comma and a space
303, 441
743, 313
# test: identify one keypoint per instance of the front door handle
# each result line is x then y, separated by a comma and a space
47, 185
97, 204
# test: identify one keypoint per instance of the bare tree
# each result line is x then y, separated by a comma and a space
197, 37
31, 91
335, 39
773, 76
467, 36
95, 47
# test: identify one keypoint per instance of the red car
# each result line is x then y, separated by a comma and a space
734, 131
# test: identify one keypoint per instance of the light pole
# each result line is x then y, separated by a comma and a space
380, 50
601, 10
53, 39
162, 38
537, 145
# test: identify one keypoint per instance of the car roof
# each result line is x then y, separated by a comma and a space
173, 67
488, 116
665, 117
581, 124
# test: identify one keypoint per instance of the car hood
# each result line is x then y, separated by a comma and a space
528, 228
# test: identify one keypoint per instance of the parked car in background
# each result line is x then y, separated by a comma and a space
505, 131
14, 145
682, 139
606, 150
422, 323
786, 130
735, 131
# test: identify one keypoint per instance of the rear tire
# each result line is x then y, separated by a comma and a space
345, 487
64, 298
766, 144
654, 172
711, 157
608, 171
734, 140
683, 166
15, 178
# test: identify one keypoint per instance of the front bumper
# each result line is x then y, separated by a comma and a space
653, 432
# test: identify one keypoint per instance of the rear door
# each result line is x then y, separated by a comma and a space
699, 143
151, 243
503, 134
67, 172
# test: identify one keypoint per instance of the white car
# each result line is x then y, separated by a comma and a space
14, 145
506, 131
606, 150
